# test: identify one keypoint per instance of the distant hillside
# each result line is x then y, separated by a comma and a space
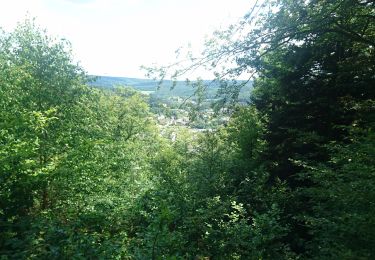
110, 82
181, 89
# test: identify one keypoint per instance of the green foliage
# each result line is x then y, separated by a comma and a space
209, 202
74, 160
314, 62
342, 216
315, 82
85, 173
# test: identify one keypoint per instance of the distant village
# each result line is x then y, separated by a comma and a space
174, 114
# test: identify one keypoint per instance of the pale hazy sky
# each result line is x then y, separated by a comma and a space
115, 37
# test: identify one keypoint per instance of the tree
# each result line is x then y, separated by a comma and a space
341, 220
314, 64
74, 160
40, 88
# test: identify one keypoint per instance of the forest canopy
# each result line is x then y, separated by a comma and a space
85, 172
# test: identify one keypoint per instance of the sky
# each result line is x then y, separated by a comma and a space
116, 37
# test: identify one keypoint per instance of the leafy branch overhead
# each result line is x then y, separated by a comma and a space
269, 26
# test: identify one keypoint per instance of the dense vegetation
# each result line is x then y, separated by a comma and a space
84, 172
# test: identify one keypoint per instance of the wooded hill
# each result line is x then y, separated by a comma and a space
167, 88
